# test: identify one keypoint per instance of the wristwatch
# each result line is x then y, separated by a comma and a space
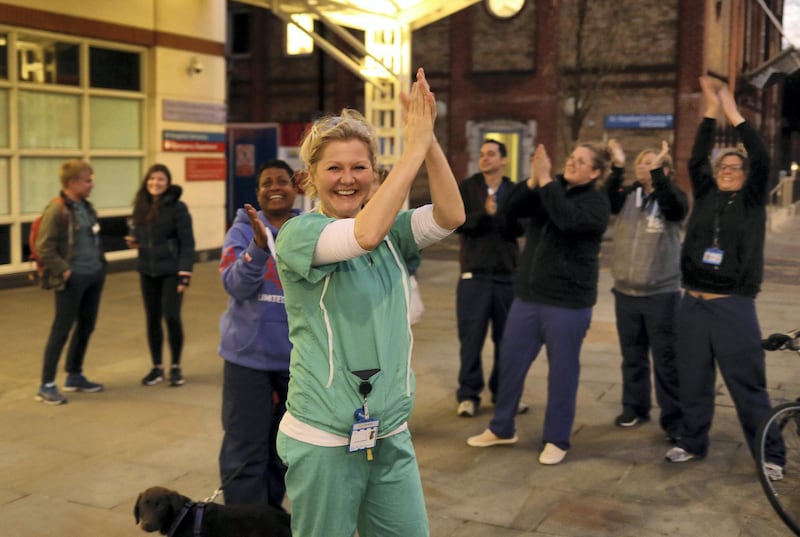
503, 9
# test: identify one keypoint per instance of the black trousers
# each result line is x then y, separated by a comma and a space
480, 299
76, 305
646, 325
162, 301
724, 332
253, 403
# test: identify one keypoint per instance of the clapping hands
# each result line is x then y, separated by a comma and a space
419, 113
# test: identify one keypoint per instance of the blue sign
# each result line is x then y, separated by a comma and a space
194, 136
638, 121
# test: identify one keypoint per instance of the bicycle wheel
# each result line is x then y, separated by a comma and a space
783, 495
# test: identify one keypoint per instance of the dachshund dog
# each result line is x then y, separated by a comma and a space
172, 514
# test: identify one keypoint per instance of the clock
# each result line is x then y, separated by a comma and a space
503, 9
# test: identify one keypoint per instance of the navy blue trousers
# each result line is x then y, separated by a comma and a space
479, 300
253, 403
725, 331
561, 331
645, 325
76, 305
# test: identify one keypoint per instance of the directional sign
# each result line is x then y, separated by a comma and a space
190, 141
638, 121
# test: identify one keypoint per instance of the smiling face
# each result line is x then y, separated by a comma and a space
643, 165
343, 177
580, 167
157, 183
491, 160
276, 192
730, 173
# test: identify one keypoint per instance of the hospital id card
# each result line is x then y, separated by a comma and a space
363, 435
713, 256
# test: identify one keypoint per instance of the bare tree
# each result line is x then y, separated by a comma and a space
595, 45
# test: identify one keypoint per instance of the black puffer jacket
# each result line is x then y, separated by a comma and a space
166, 246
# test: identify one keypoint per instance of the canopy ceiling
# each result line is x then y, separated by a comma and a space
369, 14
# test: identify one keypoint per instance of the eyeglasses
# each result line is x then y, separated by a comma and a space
730, 167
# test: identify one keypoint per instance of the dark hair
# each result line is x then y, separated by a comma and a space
145, 209
500, 145
601, 158
275, 163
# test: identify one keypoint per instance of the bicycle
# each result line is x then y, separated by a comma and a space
783, 493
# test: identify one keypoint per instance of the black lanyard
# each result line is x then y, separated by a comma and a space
719, 210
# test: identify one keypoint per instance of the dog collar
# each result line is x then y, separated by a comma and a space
184, 510
198, 519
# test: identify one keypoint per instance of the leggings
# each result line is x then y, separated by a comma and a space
162, 300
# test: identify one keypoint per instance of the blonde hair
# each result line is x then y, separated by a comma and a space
349, 125
72, 169
666, 162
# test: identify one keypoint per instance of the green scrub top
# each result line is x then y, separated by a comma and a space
344, 317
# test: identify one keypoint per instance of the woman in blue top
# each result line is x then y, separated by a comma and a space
254, 342
344, 437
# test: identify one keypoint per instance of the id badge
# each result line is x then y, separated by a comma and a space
713, 256
363, 435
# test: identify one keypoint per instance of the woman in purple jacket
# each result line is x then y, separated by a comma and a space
255, 344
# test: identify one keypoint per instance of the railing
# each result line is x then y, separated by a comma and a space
783, 194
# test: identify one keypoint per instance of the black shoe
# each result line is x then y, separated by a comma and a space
175, 376
50, 395
155, 376
78, 383
624, 420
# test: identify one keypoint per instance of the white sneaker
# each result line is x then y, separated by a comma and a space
466, 408
773, 471
551, 454
487, 439
678, 454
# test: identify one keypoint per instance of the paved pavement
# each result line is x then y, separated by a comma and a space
75, 470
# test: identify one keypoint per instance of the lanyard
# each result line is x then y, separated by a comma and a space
719, 210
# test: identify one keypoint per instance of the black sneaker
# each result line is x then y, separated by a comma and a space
624, 420
50, 395
175, 376
155, 376
79, 383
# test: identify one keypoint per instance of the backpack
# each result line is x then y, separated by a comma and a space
33, 235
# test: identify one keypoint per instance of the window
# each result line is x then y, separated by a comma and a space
3, 56
115, 123
43, 60
4, 118
49, 120
114, 69
5, 196
66, 98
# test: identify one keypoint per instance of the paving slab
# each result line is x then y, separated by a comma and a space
76, 470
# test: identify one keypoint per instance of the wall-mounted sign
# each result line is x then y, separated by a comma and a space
205, 169
190, 141
638, 121
194, 112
